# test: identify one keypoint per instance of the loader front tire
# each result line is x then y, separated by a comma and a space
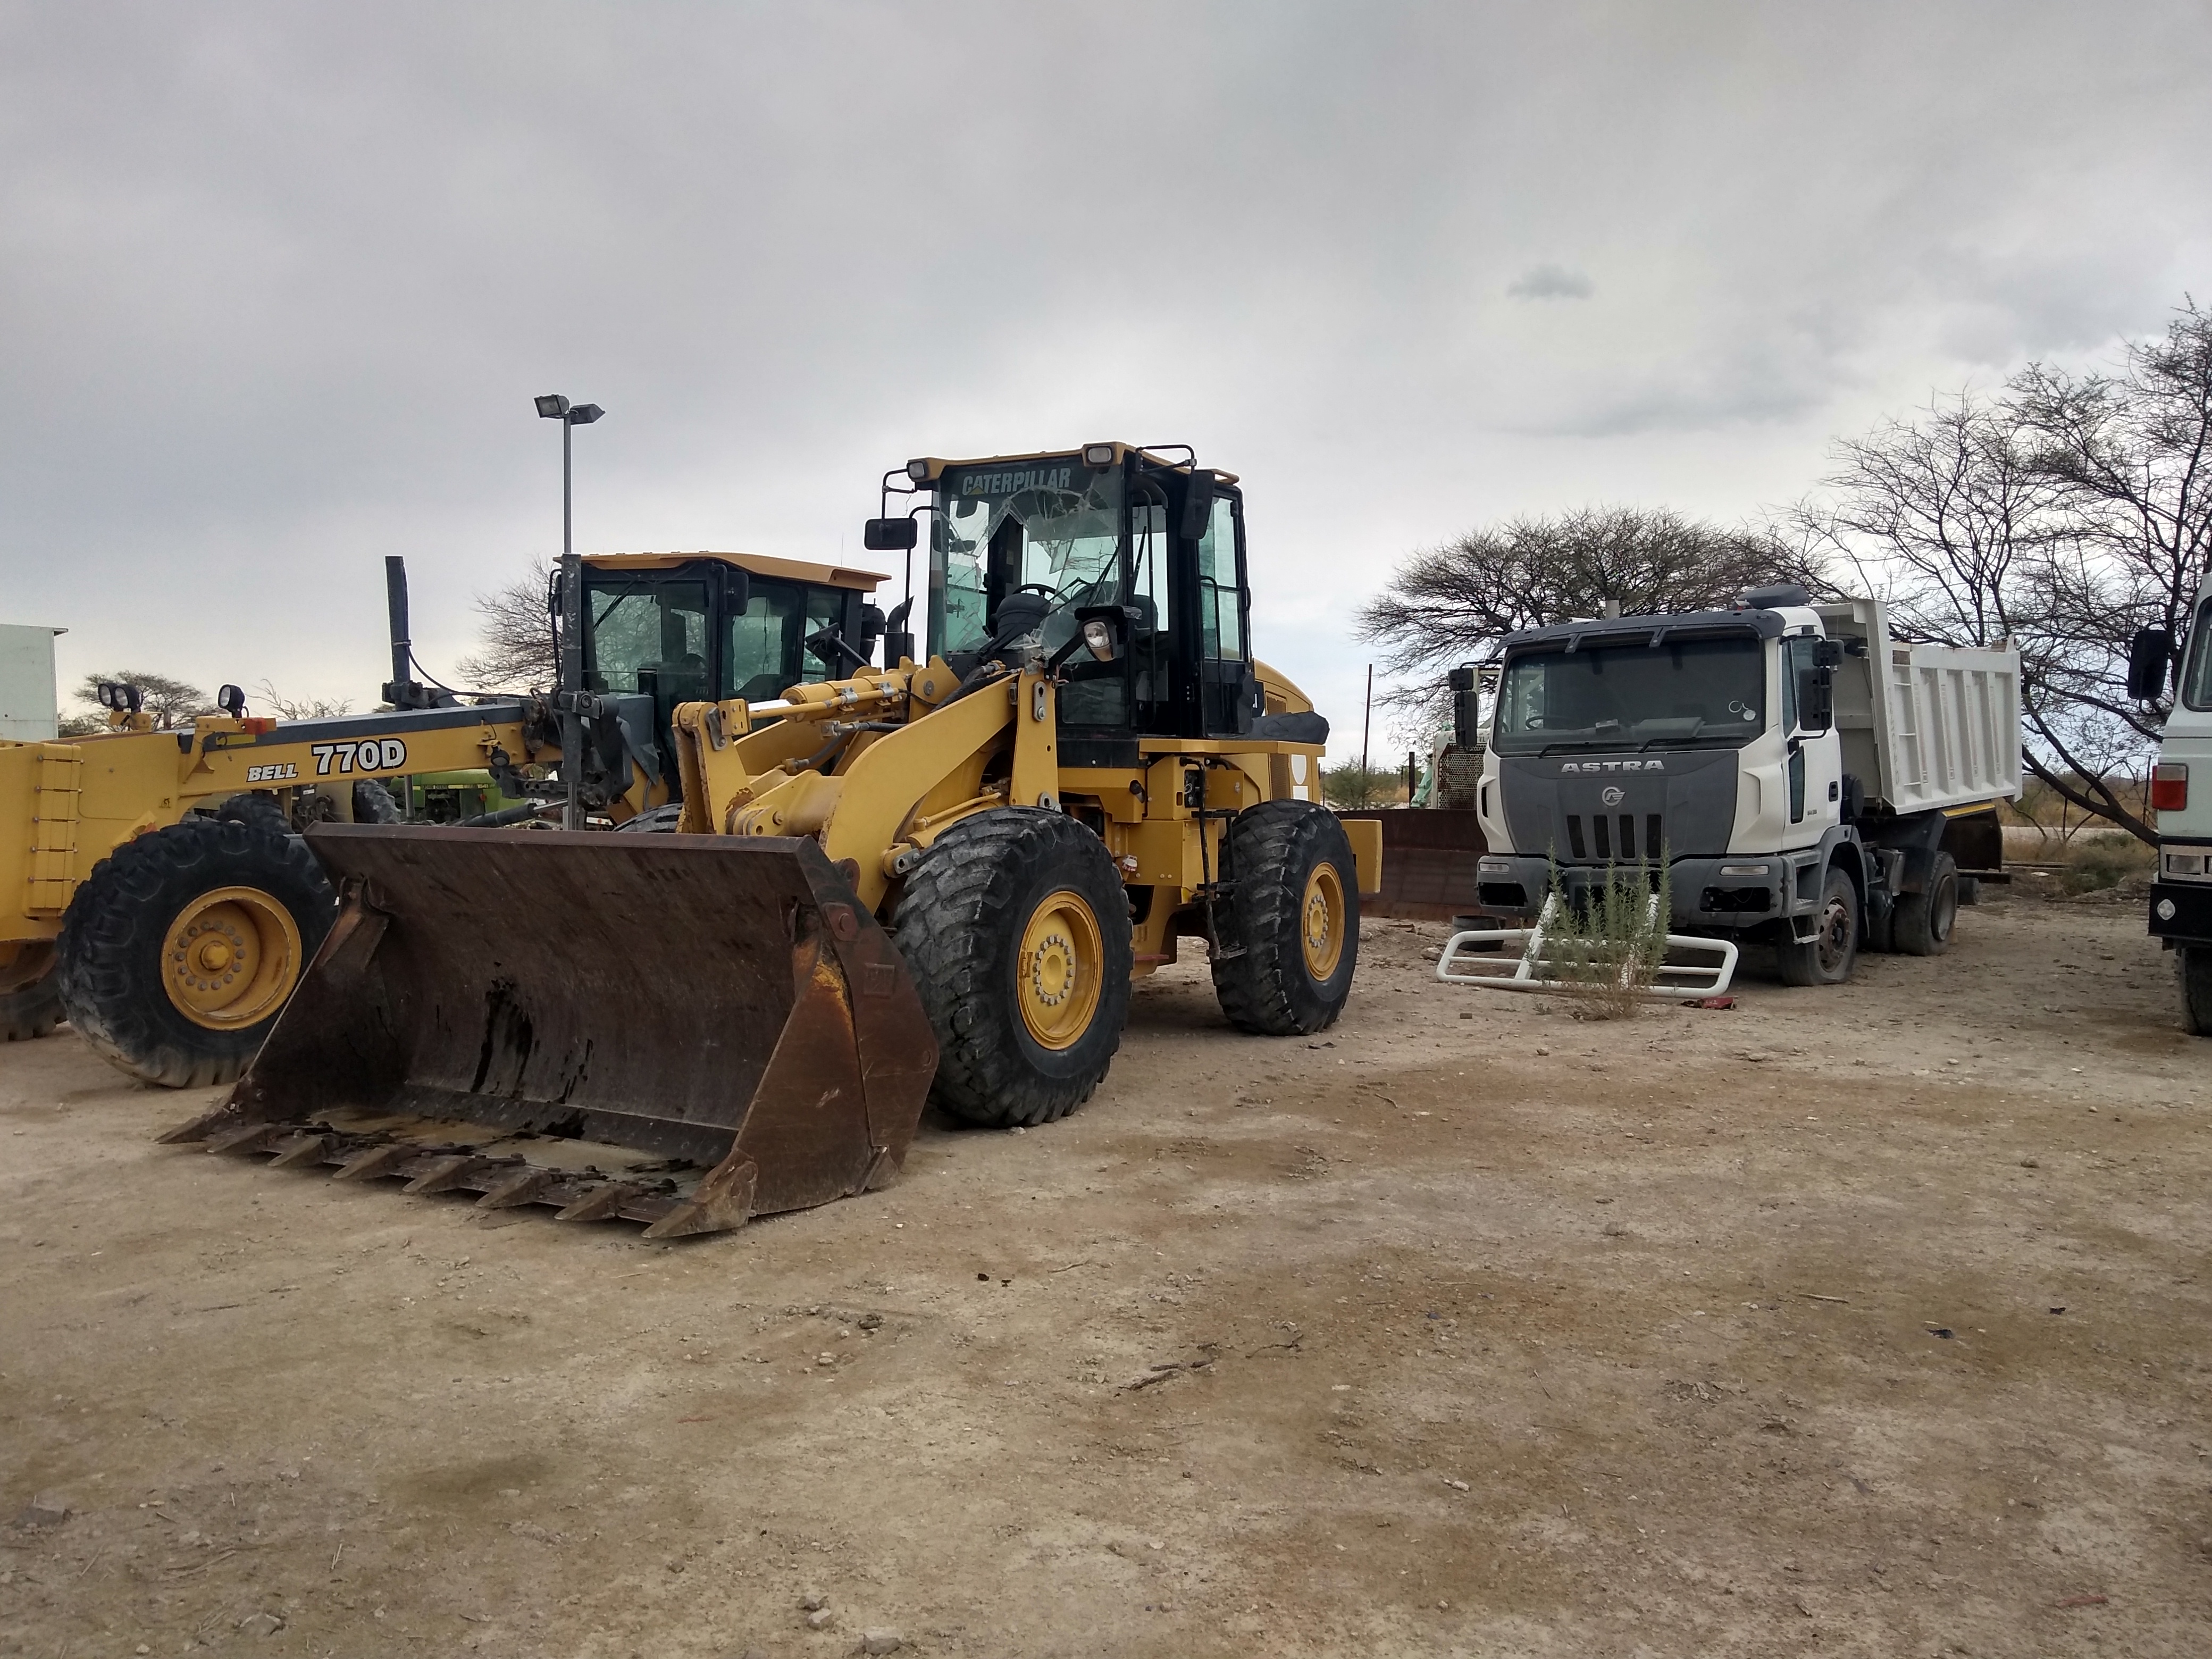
1016, 929
1295, 906
30, 994
181, 948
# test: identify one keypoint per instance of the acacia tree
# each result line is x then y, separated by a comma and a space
1454, 603
2062, 515
515, 633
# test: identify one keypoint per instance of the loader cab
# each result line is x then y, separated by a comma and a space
699, 628
1160, 542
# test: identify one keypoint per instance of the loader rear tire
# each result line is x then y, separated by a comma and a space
1923, 922
266, 811
1016, 927
181, 948
30, 1007
1295, 903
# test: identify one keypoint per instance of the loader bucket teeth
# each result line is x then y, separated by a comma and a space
683, 1030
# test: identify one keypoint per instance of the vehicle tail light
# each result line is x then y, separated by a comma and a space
2169, 787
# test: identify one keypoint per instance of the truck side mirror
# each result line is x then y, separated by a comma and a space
1816, 700
2150, 653
889, 535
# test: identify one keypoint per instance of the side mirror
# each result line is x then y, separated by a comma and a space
1197, 505
889, 535
2150, 655
1816, 700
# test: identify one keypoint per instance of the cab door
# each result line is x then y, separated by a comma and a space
1814, 772
1220, 692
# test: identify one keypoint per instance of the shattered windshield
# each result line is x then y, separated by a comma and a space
1052, 526
1709, 692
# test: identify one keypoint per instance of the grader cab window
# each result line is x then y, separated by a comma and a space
767, 646
653, 636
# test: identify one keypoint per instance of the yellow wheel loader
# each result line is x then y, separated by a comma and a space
154, 887
933, 879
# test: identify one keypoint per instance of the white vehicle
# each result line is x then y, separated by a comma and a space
1803, 780
2181, 894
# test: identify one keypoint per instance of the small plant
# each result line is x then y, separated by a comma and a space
1606, 948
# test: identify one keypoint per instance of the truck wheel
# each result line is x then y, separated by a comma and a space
179, 950
30, 994
2192, 967
1923, 922
1017, 929
372, 803
1295, 906
1828, 958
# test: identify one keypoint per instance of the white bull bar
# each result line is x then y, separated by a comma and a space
1460, 964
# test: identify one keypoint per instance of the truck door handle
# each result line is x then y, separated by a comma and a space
1835, 790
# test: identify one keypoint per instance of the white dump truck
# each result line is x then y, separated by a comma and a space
2181, 893
1803, 779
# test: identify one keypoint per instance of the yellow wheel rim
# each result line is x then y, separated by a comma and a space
1060, 971
231, 959
1321, 922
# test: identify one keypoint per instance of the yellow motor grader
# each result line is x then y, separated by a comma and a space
154, 887
936, 878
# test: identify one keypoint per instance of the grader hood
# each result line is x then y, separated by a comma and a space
685, 1031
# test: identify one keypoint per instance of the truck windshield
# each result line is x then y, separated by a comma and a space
1051, 525
1709, 692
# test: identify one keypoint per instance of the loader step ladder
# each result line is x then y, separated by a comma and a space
1526, 959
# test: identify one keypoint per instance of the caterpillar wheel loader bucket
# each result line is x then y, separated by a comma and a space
685, 1031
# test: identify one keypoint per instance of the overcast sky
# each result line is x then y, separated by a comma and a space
278, 281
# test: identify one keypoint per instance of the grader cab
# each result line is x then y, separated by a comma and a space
932, 879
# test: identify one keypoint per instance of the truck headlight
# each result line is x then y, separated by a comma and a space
2165, 907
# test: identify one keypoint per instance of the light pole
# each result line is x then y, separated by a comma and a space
568, 694
557, 408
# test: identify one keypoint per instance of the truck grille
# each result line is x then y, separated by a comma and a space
1602, 835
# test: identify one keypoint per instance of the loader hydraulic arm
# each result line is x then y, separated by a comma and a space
877, 766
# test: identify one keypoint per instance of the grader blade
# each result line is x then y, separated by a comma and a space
685, 1031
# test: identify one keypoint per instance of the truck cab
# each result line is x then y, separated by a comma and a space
2181, 800
1782, 769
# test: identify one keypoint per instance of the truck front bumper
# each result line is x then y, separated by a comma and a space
1728, 895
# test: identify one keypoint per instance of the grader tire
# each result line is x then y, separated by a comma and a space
374, 803
1295, 903
1017, 931
264, 812
180, 949
2192, 972
33, 1009
653, 821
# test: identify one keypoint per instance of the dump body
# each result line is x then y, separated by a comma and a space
1926, 727
685, 1031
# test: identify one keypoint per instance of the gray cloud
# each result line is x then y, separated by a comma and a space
1549, 282
279, 281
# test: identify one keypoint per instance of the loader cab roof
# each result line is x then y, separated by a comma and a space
928, 469
758, 564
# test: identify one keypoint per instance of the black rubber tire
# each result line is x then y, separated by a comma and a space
32, 1010
1923, 922
266, 811
2192, 971
372, 803
113, 934
1275, 849
653, 821
1829, 958
959, 923
1969, 890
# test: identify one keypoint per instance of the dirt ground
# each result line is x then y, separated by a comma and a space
1870, 1321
